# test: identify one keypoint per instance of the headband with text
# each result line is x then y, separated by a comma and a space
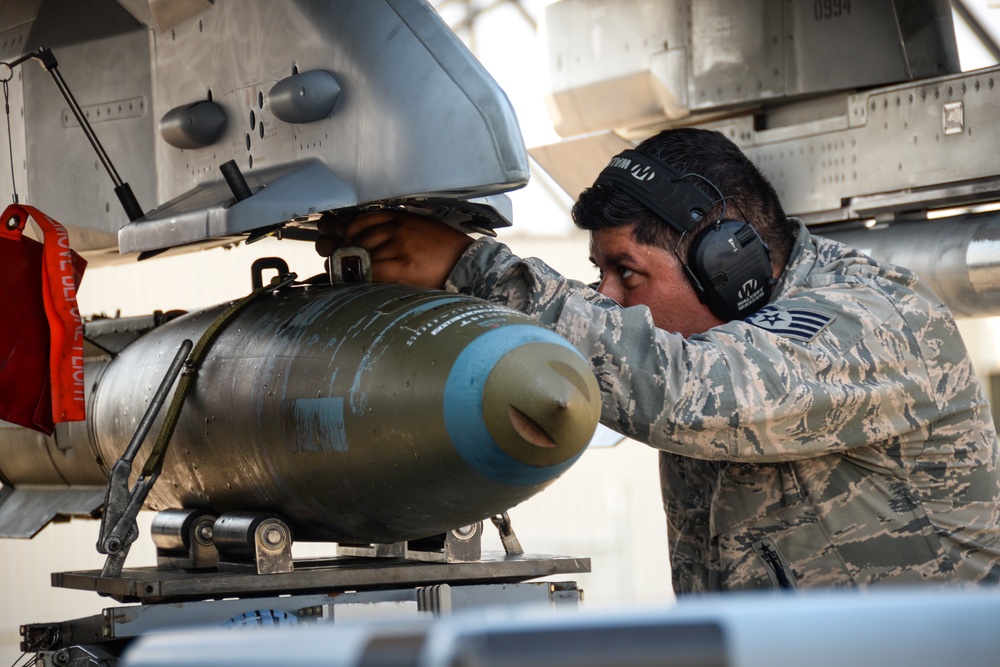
659, 187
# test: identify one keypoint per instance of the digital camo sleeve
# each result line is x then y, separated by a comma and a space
739, 392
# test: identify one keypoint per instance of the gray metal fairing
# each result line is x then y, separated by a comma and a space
416, 117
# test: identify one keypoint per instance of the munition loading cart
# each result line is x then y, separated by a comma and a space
236, 566
237, 570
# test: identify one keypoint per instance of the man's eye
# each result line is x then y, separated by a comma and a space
625, 273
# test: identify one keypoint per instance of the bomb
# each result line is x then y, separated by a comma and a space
360, 414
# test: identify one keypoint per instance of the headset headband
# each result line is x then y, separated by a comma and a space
659, 187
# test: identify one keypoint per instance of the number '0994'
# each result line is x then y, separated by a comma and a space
831, 9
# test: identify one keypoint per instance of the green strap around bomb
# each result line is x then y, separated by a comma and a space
155, 461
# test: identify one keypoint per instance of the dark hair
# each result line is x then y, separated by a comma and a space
748, 194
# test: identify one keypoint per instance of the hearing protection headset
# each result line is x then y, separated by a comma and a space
728, 264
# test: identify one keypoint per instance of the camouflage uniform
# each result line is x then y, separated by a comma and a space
838, 437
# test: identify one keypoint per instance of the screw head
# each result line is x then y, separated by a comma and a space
465, 532
274, 536
203, 533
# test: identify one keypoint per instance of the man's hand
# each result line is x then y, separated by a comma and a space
404, 247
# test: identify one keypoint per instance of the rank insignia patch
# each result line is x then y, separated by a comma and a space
798, 323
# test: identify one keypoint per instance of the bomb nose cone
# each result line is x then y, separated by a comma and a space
541, 404
521, 404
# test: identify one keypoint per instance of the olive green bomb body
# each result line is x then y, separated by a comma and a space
370, 413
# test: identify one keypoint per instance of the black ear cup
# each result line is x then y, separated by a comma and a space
730, 268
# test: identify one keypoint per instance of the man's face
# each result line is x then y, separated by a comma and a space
634, 273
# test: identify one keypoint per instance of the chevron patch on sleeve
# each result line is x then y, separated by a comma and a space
799, 323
